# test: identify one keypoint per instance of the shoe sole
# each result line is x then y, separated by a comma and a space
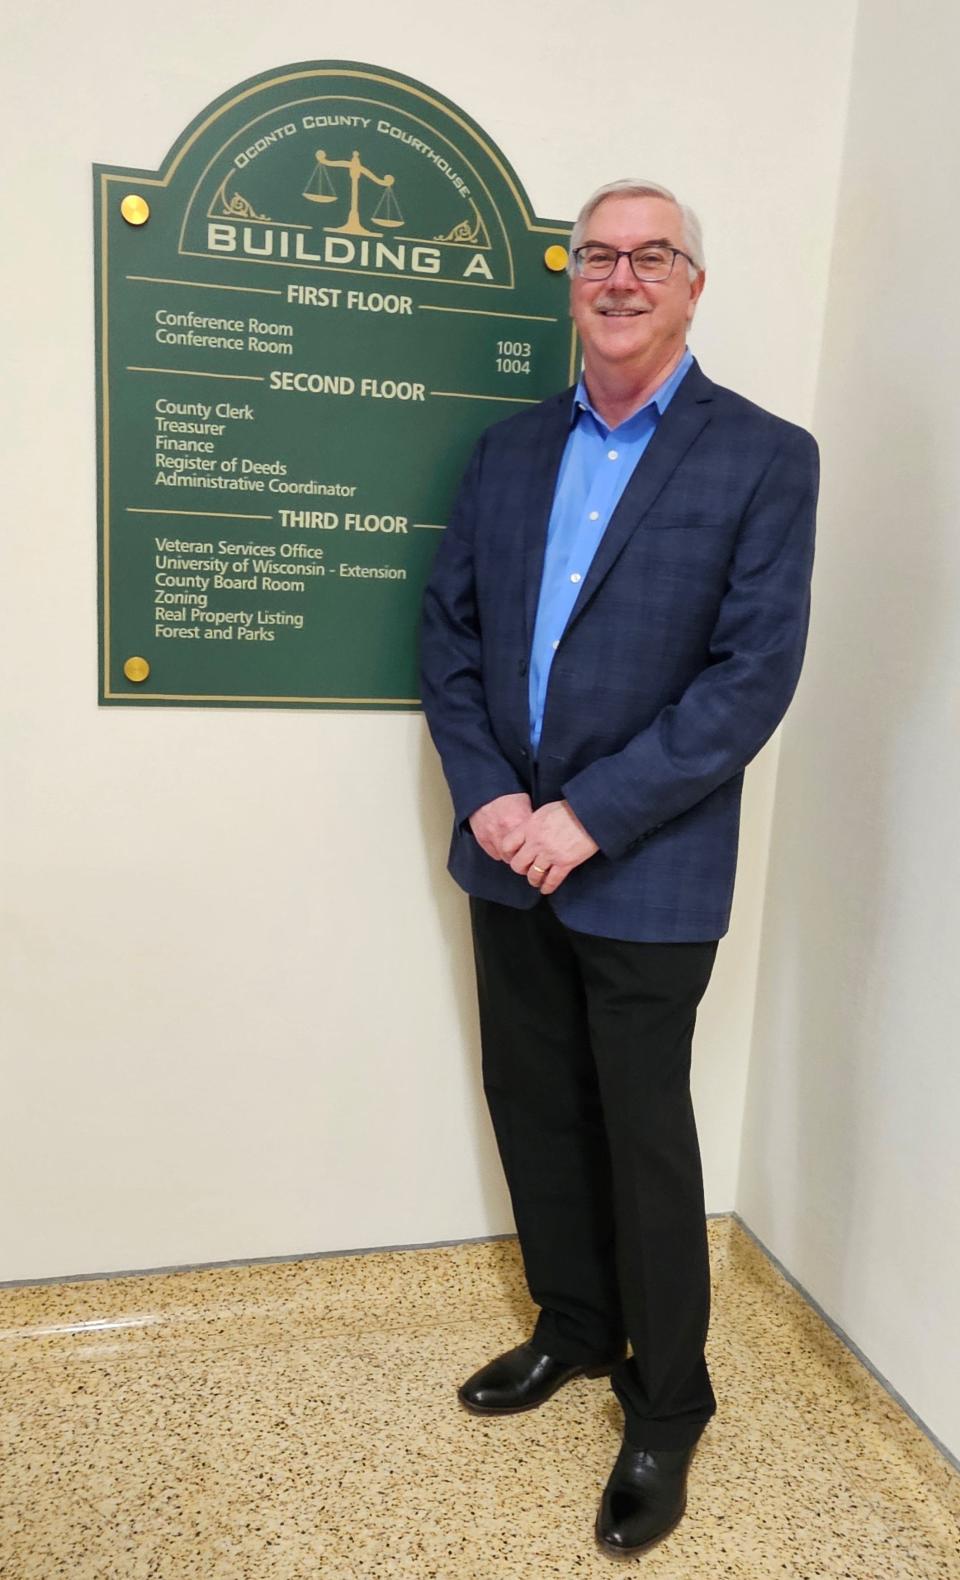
521, 1409
626, 1553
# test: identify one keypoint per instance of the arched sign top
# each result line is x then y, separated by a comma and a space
339, 179
305, 318
271, 93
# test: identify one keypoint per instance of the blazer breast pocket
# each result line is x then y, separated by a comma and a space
672, 555
675, 522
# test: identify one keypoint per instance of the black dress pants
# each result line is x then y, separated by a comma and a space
586, 1068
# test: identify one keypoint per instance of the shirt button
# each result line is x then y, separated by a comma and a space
554, 645
594, 515
612, 455
575, 577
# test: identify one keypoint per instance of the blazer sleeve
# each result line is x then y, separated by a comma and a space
732, 707
451, 669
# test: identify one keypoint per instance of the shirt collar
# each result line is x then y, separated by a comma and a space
661, 397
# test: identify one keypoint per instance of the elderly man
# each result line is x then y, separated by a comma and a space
614, 626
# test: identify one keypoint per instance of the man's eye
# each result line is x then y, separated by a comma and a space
651, 257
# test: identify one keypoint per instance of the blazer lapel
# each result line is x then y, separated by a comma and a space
538, 503
684, 419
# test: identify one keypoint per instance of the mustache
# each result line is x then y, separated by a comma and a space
615, 299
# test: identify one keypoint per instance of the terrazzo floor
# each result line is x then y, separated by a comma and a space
292, 1420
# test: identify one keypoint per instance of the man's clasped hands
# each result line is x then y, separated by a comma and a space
543, 845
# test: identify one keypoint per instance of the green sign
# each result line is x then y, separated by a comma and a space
304, 321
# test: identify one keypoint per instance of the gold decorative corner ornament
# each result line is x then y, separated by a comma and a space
136, 669
135, 209
555, 258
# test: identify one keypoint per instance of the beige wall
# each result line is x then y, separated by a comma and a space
238, 1013
850, 1168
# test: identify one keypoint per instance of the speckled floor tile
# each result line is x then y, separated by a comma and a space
230, 1307
299, 1420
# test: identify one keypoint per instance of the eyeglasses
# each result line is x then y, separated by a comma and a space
649, 264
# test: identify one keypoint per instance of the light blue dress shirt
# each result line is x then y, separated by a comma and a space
597, 465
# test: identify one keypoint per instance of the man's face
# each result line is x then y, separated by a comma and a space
622, 321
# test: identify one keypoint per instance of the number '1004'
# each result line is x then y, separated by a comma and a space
514, 356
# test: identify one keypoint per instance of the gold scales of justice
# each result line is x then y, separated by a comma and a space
320, 189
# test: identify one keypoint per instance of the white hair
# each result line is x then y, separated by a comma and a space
690, 233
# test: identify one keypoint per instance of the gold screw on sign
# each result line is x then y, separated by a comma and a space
135, 209
555, 258
136, 669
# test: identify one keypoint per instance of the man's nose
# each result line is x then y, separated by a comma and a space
623, 272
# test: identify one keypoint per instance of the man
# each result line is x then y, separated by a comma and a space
614, 626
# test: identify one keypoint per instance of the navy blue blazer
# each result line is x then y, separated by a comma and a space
678, 662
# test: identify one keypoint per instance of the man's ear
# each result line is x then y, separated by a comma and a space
696, 291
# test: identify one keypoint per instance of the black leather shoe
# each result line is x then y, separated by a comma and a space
520, 1380
643, 1500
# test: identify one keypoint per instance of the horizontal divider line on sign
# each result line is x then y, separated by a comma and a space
206, 285
192, 373
233, 515
487, 312
508, 400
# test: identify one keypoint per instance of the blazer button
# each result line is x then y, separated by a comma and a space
522, 667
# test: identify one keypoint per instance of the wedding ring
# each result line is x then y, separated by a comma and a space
535, 868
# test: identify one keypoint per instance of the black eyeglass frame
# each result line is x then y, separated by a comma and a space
628, 252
